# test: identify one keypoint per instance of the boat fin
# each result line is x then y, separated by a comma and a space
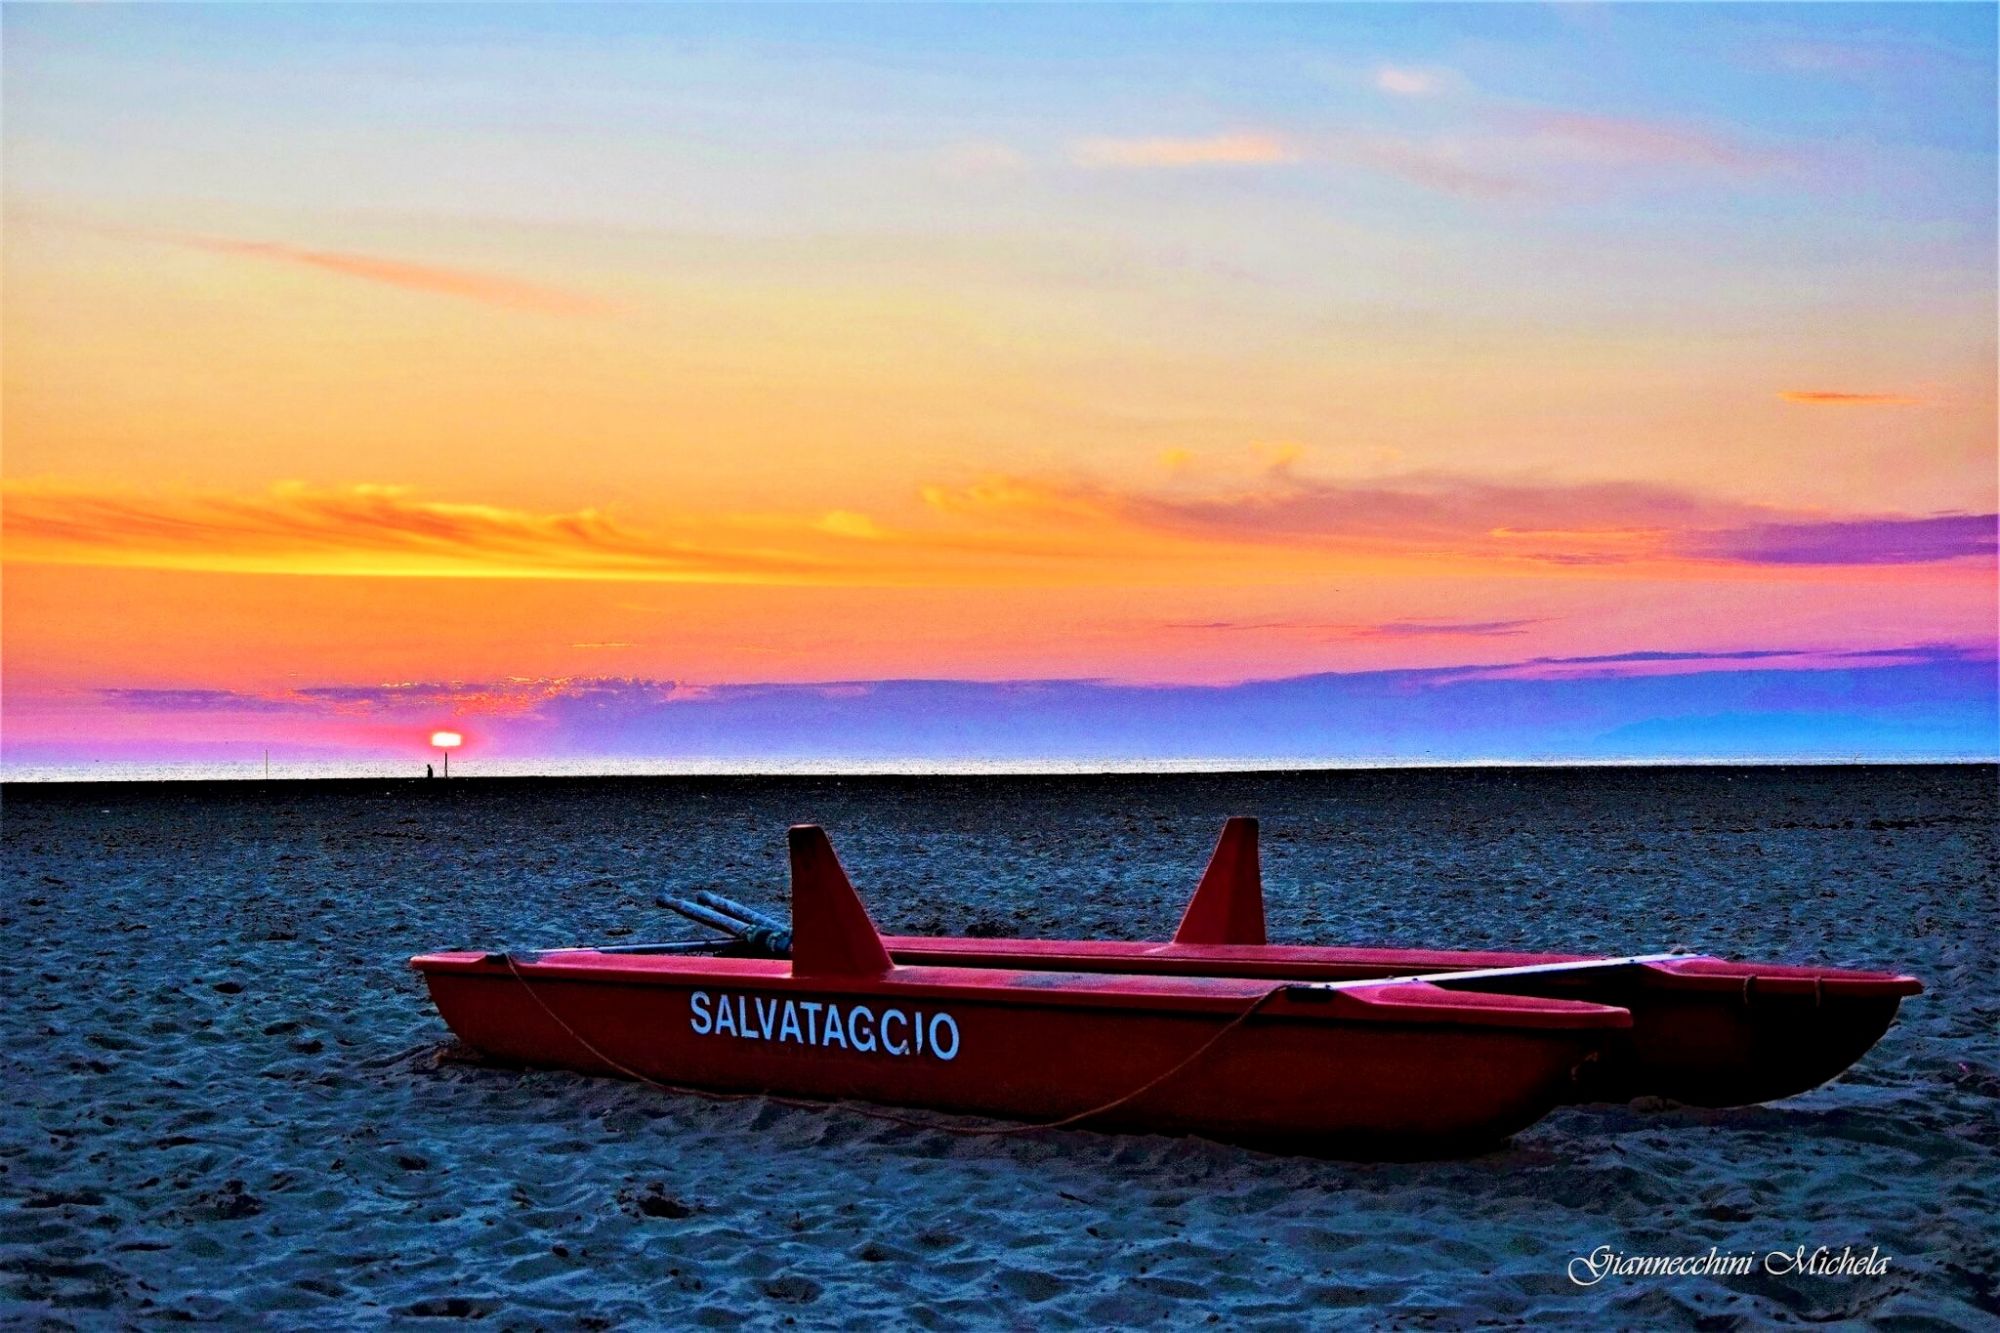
831, 932
1228, 906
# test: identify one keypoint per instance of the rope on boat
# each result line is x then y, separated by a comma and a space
877, 1113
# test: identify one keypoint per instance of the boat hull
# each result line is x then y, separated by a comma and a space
1394, 1071
1705, 1032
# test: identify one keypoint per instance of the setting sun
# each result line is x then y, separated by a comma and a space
444, 740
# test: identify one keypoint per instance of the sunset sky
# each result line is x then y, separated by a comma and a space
1014, 385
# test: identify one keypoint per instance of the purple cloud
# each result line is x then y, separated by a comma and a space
1387, 629
1548, 522
1396, 629
1860, 541
200, 701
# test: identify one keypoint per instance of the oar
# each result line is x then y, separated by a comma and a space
715, 920
747, 915
773, 939
1309, 989
664, 947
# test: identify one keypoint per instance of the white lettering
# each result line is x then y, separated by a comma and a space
852, 1027
1587, 1270
950, 1025
1593, 1266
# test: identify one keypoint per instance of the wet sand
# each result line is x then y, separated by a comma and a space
228, 1099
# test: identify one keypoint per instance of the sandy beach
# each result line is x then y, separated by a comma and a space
228, 1099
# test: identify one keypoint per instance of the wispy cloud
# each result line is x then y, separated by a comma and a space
1427, 512
1242, 149
437, 279
1459, 165
514, 697
1500, 152
1415, 80
389, 531
1624, 141
1644, 663
144, 700
293, 528
1855, 541
1457, 516
1488, 151
1004, 529
1445, 629
406, 700
1387, 629
1829, 398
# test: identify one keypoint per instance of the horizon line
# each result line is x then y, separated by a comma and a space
60, 775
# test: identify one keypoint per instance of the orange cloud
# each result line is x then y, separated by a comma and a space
1249, 149
1827, 398
390, 531
354, 530
465, 284
1000, 530
1441, 516
1422, 627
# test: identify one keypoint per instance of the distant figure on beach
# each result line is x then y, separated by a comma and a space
429, 772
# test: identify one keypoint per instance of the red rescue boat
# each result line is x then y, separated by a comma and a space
1705, 1031
1359, 1067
